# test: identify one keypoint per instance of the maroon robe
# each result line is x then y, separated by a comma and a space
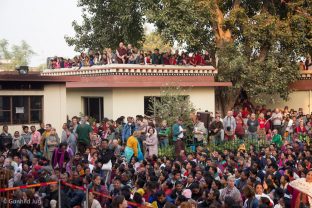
121, 52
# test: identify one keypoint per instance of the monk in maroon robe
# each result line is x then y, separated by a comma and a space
121, 53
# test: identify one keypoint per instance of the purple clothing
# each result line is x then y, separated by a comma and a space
59, 157
70, 152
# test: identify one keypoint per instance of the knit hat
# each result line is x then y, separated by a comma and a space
187, 193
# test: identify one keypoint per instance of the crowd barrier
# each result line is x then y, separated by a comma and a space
27, 186
68, 185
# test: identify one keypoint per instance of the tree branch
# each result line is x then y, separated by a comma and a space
236, 4
264, 49
304, 13
221, 34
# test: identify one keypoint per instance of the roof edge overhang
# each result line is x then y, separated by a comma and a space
143, 84
36, 77
302, 85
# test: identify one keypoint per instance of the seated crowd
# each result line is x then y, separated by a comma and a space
120, 159
130, 55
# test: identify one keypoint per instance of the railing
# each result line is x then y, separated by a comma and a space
133, 69
8, 201
307, 74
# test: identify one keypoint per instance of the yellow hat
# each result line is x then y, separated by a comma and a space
242, 147
141, 191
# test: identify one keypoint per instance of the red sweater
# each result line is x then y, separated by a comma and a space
261, 123
172, 61
301, 129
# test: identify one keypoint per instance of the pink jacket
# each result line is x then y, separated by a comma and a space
35, 138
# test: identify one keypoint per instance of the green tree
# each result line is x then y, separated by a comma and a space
4, 51
42, 66
256, 43
154, 40
106, 23
172, 104
19, 55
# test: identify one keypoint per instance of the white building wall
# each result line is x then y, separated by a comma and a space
297, 99
203, 98
130, 101
54, 101
75, 100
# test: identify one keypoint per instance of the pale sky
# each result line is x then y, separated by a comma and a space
41, 23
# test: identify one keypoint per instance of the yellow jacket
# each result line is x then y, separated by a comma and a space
132, 143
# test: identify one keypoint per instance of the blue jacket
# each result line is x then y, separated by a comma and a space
127, 131
175, 131
152, 199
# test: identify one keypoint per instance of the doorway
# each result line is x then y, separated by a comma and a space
93, 107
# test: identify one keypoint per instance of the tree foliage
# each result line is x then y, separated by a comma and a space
172, 104
4, 51
257, 43
19, 55
184, 21
254, 44
154, 40
106, 23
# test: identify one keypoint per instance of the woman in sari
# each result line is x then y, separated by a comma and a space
133, 148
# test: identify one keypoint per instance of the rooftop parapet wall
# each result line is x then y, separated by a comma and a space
307, 74
304, 83
134, 69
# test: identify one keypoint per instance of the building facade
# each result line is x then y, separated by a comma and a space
100, 91
300, 97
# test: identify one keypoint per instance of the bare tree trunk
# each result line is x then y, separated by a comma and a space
225, 99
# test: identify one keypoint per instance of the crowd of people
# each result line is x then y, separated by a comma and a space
131, 55
305, 65
120, 159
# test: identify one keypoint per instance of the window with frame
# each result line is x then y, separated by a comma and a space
21, 109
